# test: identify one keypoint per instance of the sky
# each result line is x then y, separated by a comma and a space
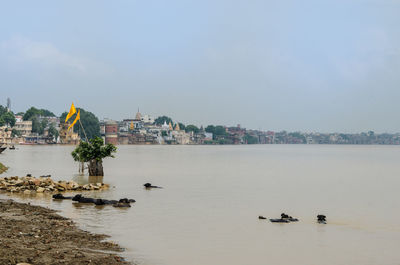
311, 65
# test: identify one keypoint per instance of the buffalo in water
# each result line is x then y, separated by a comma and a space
321, 219
125, 202
284, 219
149, 186
59, 196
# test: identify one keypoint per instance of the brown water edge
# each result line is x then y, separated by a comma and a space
38, 235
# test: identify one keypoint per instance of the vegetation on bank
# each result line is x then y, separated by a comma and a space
3, 168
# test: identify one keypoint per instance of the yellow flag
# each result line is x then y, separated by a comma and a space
78, 116
72, 111
132, 125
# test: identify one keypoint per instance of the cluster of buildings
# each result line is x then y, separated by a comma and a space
22, 132
143, 130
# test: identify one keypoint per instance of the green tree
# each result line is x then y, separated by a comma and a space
53, 131
192, 128
15, 133
182, 126
36, 126
34, 112
220, 130
89, 122
6, 117
9, 118
30, 114
210, 129
249, 139
93, 152
160, 120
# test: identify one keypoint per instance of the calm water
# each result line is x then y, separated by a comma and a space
208, 211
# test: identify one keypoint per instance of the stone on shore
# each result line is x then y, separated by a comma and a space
42, 184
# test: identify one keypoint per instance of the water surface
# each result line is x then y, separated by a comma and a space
208, 211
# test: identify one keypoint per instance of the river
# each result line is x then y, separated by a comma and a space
207, 212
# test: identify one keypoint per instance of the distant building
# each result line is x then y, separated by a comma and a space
5, 135
147, 119
68, 136
23, 127
111, 132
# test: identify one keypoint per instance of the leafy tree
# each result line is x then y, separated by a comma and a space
46, 113
37, 112
210, 129
182, 126
36, 126
160, 120
15, 133
31, 113
192, 128
220, 131
89, 122
6, 117
2, 110
249, 139
9, 118
53, 131
93, 152
34, 112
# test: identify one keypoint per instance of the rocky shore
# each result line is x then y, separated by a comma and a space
29, 184
36, 235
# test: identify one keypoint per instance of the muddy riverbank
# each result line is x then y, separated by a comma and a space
38, 235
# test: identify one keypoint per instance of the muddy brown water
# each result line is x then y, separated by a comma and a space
208, 211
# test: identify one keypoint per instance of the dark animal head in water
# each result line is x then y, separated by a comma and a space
147, 185
283, 215
77, 197
58, 196
126, 200
321, 217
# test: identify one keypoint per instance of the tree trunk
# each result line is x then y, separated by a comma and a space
82, 168
96, 168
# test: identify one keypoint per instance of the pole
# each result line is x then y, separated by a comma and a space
83, 130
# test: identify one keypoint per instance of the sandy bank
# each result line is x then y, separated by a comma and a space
38, 235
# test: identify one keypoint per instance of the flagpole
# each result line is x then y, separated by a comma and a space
83, 130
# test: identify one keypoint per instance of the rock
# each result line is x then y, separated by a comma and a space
27, 192
34, 181
63, 184
40, 190
19, 182
24, 264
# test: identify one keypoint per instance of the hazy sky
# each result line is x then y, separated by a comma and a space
321, 65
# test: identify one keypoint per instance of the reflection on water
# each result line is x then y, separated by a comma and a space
208, 211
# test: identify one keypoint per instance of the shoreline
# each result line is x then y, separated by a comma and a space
37, 235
